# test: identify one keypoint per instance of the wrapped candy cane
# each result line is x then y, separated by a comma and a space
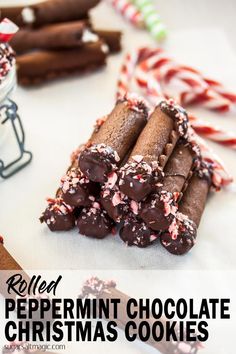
129, 11
151, 18
7, 30
152, 91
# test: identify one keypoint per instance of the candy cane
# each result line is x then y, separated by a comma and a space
151, 18
7, 30
127, 71
213, 133
129, 11
152, 90
190, 86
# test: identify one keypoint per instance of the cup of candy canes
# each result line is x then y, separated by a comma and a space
7, 82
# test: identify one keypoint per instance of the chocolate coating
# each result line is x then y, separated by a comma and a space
79, 198
153, 213
137, 180
114, 139
77, 190
136, 233
95, 222
115, 203
97, 162
184, 241
159, 209
58, 216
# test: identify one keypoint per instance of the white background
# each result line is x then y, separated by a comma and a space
59, 116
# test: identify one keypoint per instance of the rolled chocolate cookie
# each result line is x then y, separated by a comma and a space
14, 13
76, 188
56, 36
58, 215
95, 222
49, 11
113, 200
112, 39
37, 67
135, 232
114, 139
159, 209
182, 233
140, 175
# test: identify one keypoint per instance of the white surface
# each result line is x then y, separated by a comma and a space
59, 116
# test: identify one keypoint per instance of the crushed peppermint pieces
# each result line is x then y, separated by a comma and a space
135, 232
99, 123
181, 224
7, 60
71, 181
139, 170
105, 153
136, 103
94, 288
58, 207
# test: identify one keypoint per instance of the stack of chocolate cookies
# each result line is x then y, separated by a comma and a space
141, 171
56, 38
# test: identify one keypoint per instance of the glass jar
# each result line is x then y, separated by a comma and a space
10, 122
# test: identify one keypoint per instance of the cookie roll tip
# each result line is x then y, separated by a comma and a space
135, 232
76, 188
114, 139
58, 215
94, 222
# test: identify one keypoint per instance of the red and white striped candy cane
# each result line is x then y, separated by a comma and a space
212, 132
129, 11
153, 90
7, 30
150, 88
190, 87
127, 72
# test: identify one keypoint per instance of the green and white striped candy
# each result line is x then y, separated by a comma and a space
151, 18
